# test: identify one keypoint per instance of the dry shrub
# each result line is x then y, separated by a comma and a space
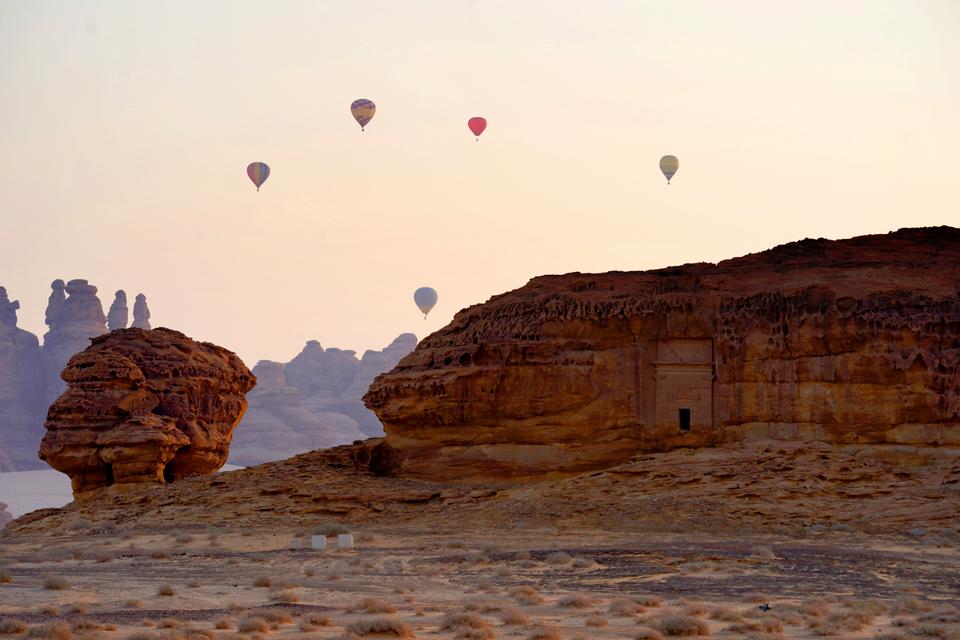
726, 615
50, 610
56, 583
683, 625
276, 616
910, 605
525, 594
51, 631
695, 609
285, 596
77, 608
646, 633
840, 622
624, 607
522, 555
382, 625
767, 624
763, 553
940, 632
5, 577
317, 620
545, 632
193, 584
170, 623
310, 572
253, 624
183, 538
263, 581
166, 590
376, 605
193, 633
944, 614
513, 616
559, 558
148, 623
224, 623
467, 626
85, 624
575, 602
596, 621
816, 608
134, 604
12, 626
159, 555
648, 601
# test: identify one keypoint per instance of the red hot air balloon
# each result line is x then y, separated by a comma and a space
477, 125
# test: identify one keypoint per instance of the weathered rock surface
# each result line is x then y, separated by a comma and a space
73, 321
118, 316
141, 313
21, 390
853, 342
145, 407
5, 516
312, 402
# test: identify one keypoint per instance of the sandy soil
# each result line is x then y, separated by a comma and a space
507, 584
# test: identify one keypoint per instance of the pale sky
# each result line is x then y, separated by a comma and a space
126, 127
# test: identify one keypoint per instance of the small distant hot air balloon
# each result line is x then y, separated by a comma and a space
363, 111
477, 125
669, 166
426, 298
258, 172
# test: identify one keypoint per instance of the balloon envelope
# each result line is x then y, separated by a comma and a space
669, 166
426, 298
363, 111
258, 173
477, 125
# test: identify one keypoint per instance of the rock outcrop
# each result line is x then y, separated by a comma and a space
141, 313
21, 390
853, 342
5, 516
72, 321
118, 317
145, 407
312, 402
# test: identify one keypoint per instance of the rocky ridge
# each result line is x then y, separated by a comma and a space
853, 342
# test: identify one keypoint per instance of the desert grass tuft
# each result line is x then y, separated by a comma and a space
525, 594
559, 558
12, 626
513, 616
5, 576
576, 601
383, 626
263, 581
648, 601
56, 583
224, 624
683, 625
376, 605
596, 621
646, 633
545, 632
253, 624
51, 631
166, 590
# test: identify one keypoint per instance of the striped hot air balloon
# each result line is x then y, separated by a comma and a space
258, 173
363, 111
669, 166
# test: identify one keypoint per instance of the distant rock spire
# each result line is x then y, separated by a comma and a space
141, 313
117, 317
55, 301
8, 309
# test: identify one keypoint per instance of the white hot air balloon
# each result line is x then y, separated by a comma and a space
426, 298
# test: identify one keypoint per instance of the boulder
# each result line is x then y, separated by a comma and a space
144, 407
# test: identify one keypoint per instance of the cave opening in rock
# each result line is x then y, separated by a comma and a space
684, 419
108, 474
169, 472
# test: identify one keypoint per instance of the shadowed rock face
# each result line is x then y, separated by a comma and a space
145, 407
21, 389
853, 342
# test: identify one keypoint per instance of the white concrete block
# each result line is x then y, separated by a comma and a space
345, 540
318, 542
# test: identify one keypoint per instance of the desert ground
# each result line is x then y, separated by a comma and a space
600, 555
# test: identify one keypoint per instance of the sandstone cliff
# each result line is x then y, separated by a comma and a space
853, 342
21, 390
145, 407
312, 402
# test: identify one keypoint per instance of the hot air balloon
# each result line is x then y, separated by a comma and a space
477, 125
258, 172
425, 297
669, 166
363, 111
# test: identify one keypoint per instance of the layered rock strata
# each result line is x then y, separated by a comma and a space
853, 342
145, 407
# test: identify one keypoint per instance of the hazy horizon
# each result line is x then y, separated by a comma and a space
126, 130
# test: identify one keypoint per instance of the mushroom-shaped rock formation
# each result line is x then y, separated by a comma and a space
145, 407
851, 342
